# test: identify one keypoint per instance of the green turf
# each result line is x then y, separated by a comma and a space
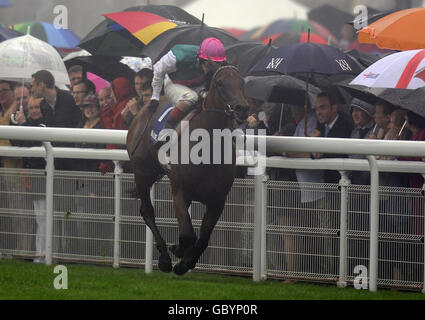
26, 280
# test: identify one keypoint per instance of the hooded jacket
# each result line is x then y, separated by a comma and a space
123, 91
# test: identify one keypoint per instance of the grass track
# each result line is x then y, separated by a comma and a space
26, 280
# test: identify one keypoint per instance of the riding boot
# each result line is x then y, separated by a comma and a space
171, 123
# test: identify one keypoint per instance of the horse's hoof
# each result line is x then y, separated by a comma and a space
177, 251
165, 266
180, 268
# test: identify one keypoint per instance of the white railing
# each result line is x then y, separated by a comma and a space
369, 148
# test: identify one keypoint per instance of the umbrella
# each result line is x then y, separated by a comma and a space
404, 70
320, 64
245, 54
142, 25
185, 34
297, 37
98, 82
104, 41
279, 88
5, 3
363, 59
61, 38
137, 64
401, 30
21, 57
409, 99
6, 33
330, 17
105, 67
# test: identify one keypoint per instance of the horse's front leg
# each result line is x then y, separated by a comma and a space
187, 236
148, 213
209, 221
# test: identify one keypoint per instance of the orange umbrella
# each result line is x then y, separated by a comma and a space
401, 30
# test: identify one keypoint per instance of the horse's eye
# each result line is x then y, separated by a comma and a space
220, 83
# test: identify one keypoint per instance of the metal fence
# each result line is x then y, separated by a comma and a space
302, 241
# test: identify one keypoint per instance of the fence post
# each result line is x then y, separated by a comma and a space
149, 239
344, 182
423, 194
374, 223
50, 169
117, 217
259, 219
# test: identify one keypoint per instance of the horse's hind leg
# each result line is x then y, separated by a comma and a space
148, 214
192, 256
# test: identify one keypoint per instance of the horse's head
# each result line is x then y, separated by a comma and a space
226, 93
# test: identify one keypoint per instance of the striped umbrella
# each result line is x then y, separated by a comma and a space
144, 26
61, 38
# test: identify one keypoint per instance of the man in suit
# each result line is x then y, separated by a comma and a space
331, 124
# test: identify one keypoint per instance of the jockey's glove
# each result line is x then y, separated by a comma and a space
153, 105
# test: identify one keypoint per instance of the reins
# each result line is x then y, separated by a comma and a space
229, 111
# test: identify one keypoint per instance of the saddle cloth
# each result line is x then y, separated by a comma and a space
162, 119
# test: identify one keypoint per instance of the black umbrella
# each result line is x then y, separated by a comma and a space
279, 88
330, 17
108, 68
363, 59
104, 41
320, 64
185, 34
245, 54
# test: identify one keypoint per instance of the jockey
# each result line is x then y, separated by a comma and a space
185, 71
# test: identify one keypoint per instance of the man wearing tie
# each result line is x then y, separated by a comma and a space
331, 124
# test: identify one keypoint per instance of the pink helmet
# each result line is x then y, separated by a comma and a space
212, 49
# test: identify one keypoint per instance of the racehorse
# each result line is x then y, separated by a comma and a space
206, 183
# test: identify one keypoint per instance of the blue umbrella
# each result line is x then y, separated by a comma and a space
5, 3
61, 38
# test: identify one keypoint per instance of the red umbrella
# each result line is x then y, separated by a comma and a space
285, 38
144, 26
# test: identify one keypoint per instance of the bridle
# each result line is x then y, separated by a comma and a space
229, 110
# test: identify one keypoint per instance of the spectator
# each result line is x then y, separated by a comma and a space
82, 89
111, 116
312, 199
8, 106
35, 118
91, 120
22, 92
395, 218
362, 114
64, 111
75, 74
106, 97
141, 78
135, 104
331, 124
381, 116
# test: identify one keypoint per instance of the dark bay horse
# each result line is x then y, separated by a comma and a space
206, 183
